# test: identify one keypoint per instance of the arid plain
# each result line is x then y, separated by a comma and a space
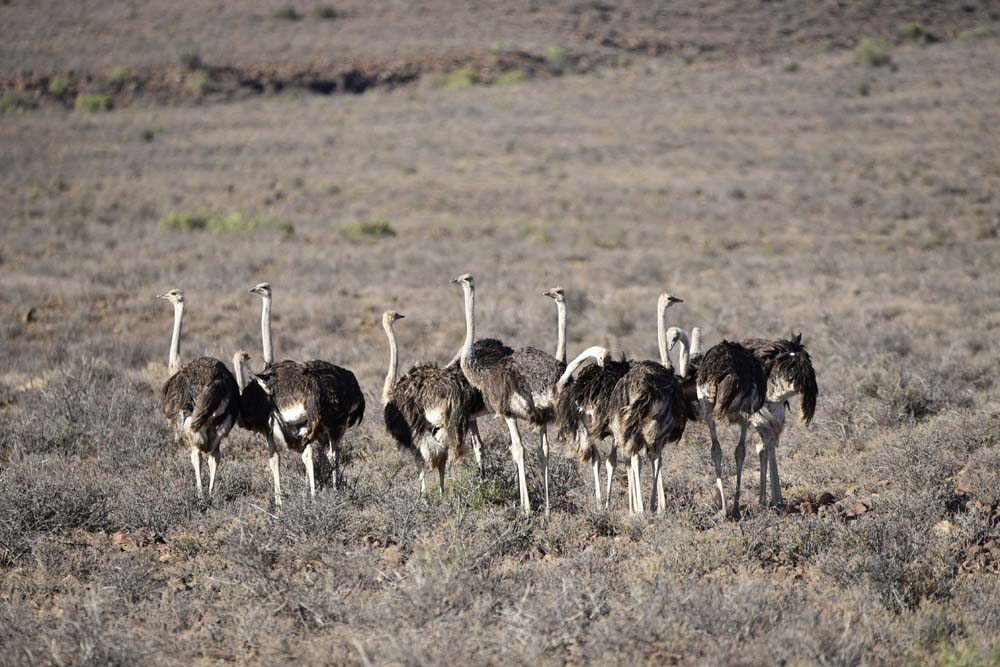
777, 179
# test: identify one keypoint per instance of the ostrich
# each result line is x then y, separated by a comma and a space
558, 295
731, 385
789, 372
485, 348
426, 411
647, 410
516, 386
312, 402
201, 400
687, 366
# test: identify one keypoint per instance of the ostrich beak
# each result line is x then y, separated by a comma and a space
161, 296
454, 281
674, 299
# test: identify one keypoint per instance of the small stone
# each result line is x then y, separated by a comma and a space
119, 538
394, 555
855, 511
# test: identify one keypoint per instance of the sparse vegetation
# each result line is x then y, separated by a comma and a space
873, 52
10, 103
913, 31
59, 85
972, 34
556, 57
511, 77
92, 102
231, 223
197, 82
463, 77
189, 58
287, 13
119, 76
372, 229
325, 12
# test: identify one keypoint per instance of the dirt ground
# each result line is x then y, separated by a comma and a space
747, 157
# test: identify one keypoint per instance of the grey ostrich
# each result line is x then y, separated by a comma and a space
200, 399
789, 372
312, 402
517, 386
647, 411
426, 411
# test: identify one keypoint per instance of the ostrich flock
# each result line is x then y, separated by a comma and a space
430, 410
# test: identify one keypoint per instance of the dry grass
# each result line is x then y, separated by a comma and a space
858, 220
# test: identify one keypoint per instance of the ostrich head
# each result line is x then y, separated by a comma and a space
241, 358
556, 294
262, 289
465, 280
173, 296
666, 300
673, 337
390, 316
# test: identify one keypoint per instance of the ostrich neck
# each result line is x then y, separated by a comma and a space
175, 340
238, 372
390, 376
561, 343
695, 340
265, 331
685, 356
661, 334
594, 352
470, 325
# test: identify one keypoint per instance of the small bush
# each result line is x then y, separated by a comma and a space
790, 67
189, 58
231, 223
325, 12
979, 32
510, 77
92, 102
556, 56
912, 30
464, 77
118, 76
287, 13
59, 85
197, 82
11, 104
374, 229
873, 52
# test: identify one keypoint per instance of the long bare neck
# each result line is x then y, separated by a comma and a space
238, 372
685, 356
595, 352
265, 330
561, 343
661, 333
695, 340
470, 324
390, 376
174, 364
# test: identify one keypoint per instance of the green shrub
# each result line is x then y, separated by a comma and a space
463, 77
92, 102
326, 12
873, 52
221, 223
374, 229
59, 85
912, 30
189, 58
556, 56
288, 13
11, 104
119, 76
979, 32
511, 77
197, 82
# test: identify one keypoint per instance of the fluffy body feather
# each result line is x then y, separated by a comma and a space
202, 402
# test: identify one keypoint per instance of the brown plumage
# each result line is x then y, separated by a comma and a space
732, 380
583, 405
312, 403
426, 411
201, 400
516, 386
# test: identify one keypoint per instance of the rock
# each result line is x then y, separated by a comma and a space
119, 538
394, 555
852, 513
806, 507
